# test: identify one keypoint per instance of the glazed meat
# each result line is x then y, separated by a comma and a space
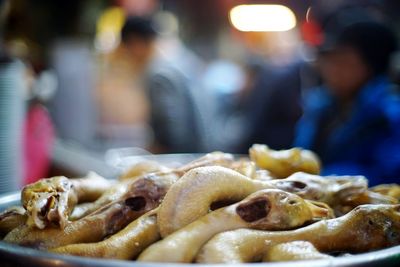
366, 228
271, 206
52, 200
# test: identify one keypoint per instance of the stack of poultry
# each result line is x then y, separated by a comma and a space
270, 206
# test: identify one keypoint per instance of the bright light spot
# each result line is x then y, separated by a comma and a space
262, 18
108, 28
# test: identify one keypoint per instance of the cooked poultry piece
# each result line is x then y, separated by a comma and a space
52, 200
142, 168
367, 197
342, 193
91, 187
269, 209
245, 167
365, 228
11, 218
282, 163
263, 175
49, 200
211, 159
143, 195
391, 190
192, 196
332, 190
124, 245
150, 184
117, 191
293, 251
92, 228
80, 209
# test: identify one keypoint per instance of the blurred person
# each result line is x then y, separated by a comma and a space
270, 101
122, 101
268, 105
180, 107
272, 104
175, 80
223, 81
353, 121
170, 100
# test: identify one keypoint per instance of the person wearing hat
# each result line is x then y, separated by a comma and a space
353, 120
165, 98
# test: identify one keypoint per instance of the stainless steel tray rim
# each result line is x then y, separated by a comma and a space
52, 259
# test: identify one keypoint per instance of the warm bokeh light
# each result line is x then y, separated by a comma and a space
108, 28
262, 18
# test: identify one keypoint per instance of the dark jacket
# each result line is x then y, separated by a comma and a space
176, 111
366, 141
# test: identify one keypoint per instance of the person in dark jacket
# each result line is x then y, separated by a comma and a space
176, 109
353, 121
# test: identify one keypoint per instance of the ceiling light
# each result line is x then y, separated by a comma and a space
262, 18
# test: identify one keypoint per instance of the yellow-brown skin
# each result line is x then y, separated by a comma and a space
122, 189
11, 218
124, 245
143, 195
211, 159
90, 187
366, 228
342, 193
263, 175
50, 201
245, 167
142, 168
367, 197
390, 190
191, 197
113, 193
119, 189
152, 186
293, 251
282, 163
332, 190
269, 209
92, 228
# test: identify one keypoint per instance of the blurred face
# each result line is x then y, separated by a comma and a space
344, 71
140, 50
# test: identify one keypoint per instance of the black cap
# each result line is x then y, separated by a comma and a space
355, 28
142, 27
336, 22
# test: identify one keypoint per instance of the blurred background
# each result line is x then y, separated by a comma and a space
187, 77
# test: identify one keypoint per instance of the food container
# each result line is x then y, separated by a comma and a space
13, 255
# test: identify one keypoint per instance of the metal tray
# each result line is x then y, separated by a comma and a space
13, 255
